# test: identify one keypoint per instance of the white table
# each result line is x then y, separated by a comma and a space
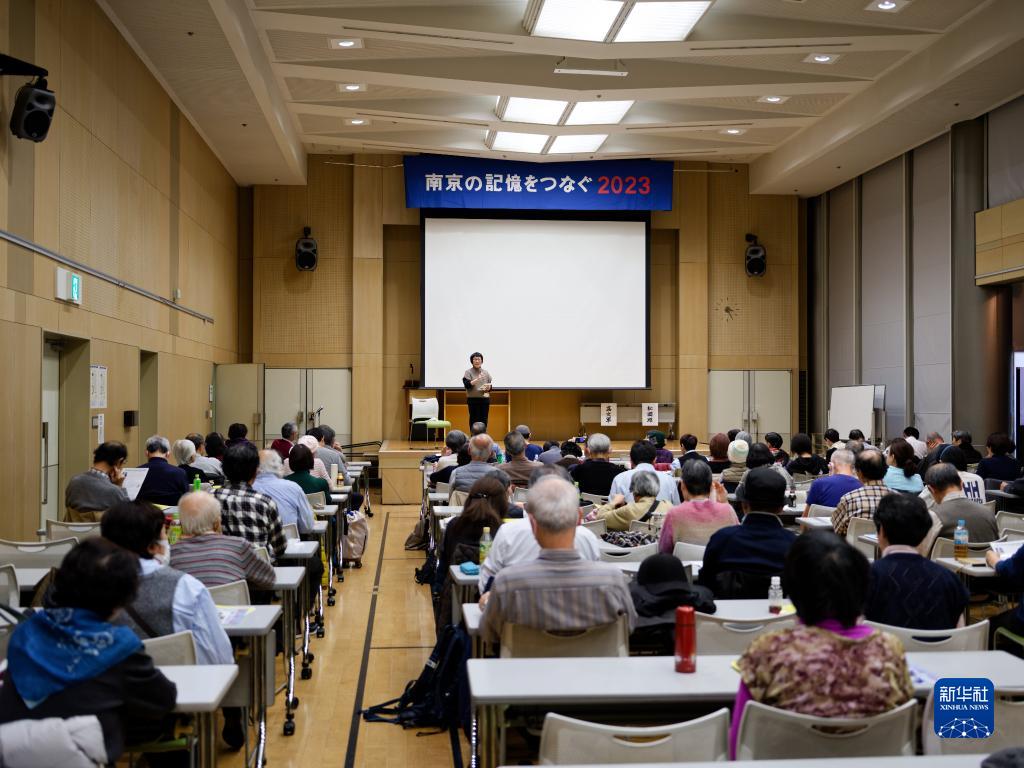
288, 581
692, 568
964, 569
435, 497
256, 625
749, 610
201, 689
652, 681
815, 523
464, 589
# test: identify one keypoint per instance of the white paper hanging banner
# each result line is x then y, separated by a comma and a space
649, 414
609, 414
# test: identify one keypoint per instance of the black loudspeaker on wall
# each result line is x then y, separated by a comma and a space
755, 258
305, 251
131, 419
33, 111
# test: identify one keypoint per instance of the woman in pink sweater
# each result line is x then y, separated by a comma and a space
703, 512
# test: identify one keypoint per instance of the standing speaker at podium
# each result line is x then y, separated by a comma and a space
477, 382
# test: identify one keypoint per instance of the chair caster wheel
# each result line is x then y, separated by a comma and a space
309, 660
369, 513
307, 673
330, 601
320, 633
359, 564
331, 592
295, 703
289, 728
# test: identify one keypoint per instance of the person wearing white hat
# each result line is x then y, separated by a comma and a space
738, 450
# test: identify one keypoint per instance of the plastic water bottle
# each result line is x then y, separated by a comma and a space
485, 543
196, 483
960, 541
775, 595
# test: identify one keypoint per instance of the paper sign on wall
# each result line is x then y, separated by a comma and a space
101, 432
609, 414
649, 414
97, 386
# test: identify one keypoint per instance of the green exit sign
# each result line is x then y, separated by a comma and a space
76, 289
69, 286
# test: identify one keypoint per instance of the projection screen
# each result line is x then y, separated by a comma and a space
551, 303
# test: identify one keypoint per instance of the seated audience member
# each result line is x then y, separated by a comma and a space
732, 433
245, 512
480, 452
559, 590
1016, 487
973, 486
951, 505
513, 510
184, 453
516, 465
164, 483
832, 443
906, 589
856, 434
454, 442
828, 665
760, 455
740, 560
212, 558
688, 443
699, 516
292, 504
551, 454
718, 447
936, 445
477, 428
532, 451
738, 452
774, 442
998, 464
571, 454
802, 460
326, 453
664, 455
596, 473
69, 659
445, 475
167, 600
313, 446
963, 440
1011, 573
901, 473
237, 433
913, 436
861, 502
300, 460
515, 542
641, 456
659, 588
283, 445
215, 450
485, 508
209, 467
646, 507
827, 491
96, 490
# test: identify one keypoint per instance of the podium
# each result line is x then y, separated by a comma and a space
498, 419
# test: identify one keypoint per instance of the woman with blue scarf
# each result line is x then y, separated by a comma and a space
70, 660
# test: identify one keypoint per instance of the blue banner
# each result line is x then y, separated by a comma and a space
440, 181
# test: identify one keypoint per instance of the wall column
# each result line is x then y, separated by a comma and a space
692, 390
367, 299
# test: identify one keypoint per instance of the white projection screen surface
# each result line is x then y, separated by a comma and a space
551, 304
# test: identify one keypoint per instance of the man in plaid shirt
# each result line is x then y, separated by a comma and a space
861, 502
244, 512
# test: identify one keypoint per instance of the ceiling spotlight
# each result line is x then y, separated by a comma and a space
345, 42
357, 121
822, 58
773, 99
733, 131
886, 5
890, 6
351, 87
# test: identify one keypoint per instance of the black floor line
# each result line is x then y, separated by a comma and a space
353, 733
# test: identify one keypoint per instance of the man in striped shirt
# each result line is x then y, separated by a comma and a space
559, 590
209, 556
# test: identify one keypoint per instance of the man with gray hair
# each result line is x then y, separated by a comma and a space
206, 554
559, 590
283, 445
827, 491
480, 451
292, 504
518, 467
951, 506
532, 451
164, 483
596, 473
453, 443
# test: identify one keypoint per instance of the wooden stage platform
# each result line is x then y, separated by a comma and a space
400, 476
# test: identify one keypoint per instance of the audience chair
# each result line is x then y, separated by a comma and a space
857, 528
56, 530
567, 741
819, 510
232, 593
458, 498
630, 555
1013, 520
317, 500
718, 636
944, 548
1011, 534
648, 527
973, 637
262, 553
443, 488
596, 527
178, 649
1009, 718
10, 594
767, 733
685, 551
290, 530
594, 498
522, 642
519, 495
35, 554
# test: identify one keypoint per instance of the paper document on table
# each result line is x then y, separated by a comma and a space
920, 677
229, 617
1006, 549
133, 479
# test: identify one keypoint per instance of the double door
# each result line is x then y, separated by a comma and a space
756, 401
309, 397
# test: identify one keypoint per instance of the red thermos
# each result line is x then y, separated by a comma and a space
686, 639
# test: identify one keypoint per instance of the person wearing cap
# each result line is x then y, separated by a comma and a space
641, 456
738, 452
532, 451
740, 560
664, 455
659, 588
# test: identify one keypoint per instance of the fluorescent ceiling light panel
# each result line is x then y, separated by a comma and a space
579, 143
545, 111
577, 19
664, 21
598, 112
519, 142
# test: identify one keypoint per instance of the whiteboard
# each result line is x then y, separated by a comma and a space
852, 408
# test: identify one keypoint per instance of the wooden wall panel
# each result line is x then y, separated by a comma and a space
402, 319
122, 362
20, 412
184, 395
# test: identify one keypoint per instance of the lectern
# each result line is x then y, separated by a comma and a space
498, 419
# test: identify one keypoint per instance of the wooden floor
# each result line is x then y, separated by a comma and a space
400, 641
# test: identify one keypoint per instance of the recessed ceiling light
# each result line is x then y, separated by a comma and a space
822, 58
733, 131
519, 142
351, 87
357, 121
576, 19
590, 142
889, 6
598, 112
650, 22
773, 99
523, 110
345, 42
